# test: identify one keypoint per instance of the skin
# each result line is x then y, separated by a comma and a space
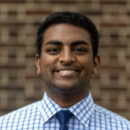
67, 47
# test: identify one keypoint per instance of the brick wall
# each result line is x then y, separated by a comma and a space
19, 21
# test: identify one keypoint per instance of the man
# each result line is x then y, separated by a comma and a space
67, 59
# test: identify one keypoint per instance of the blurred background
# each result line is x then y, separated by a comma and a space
19, 21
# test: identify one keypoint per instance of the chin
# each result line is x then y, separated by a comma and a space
65, 88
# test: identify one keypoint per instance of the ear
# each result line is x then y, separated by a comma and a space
37, 62
96, 64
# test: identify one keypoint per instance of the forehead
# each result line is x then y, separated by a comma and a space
66, 33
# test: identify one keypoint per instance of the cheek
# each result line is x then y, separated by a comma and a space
86, 63
47, 64
45, 60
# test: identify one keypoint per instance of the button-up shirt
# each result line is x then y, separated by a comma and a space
41, 116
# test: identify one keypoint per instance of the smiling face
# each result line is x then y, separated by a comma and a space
66, 61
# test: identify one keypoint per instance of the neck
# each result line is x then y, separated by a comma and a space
67, 100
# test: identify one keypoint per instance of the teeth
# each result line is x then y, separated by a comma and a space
66, 71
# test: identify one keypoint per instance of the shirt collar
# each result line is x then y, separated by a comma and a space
85, 107
48, 108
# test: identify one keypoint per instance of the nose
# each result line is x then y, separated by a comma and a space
66, 57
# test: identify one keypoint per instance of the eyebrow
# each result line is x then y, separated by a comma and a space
75, 43
79, 42
53, 42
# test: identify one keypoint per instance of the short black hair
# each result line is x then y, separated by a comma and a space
73, 18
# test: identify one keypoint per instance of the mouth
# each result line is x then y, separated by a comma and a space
67, 72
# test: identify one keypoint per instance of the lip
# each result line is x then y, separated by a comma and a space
73, 69
69, 72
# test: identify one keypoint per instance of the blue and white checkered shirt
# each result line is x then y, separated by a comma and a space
41, 116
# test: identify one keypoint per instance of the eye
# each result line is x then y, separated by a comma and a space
53, 51
80, 50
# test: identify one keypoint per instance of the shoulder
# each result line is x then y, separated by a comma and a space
17, 118
110, 120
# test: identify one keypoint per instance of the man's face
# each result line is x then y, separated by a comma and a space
66, 61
